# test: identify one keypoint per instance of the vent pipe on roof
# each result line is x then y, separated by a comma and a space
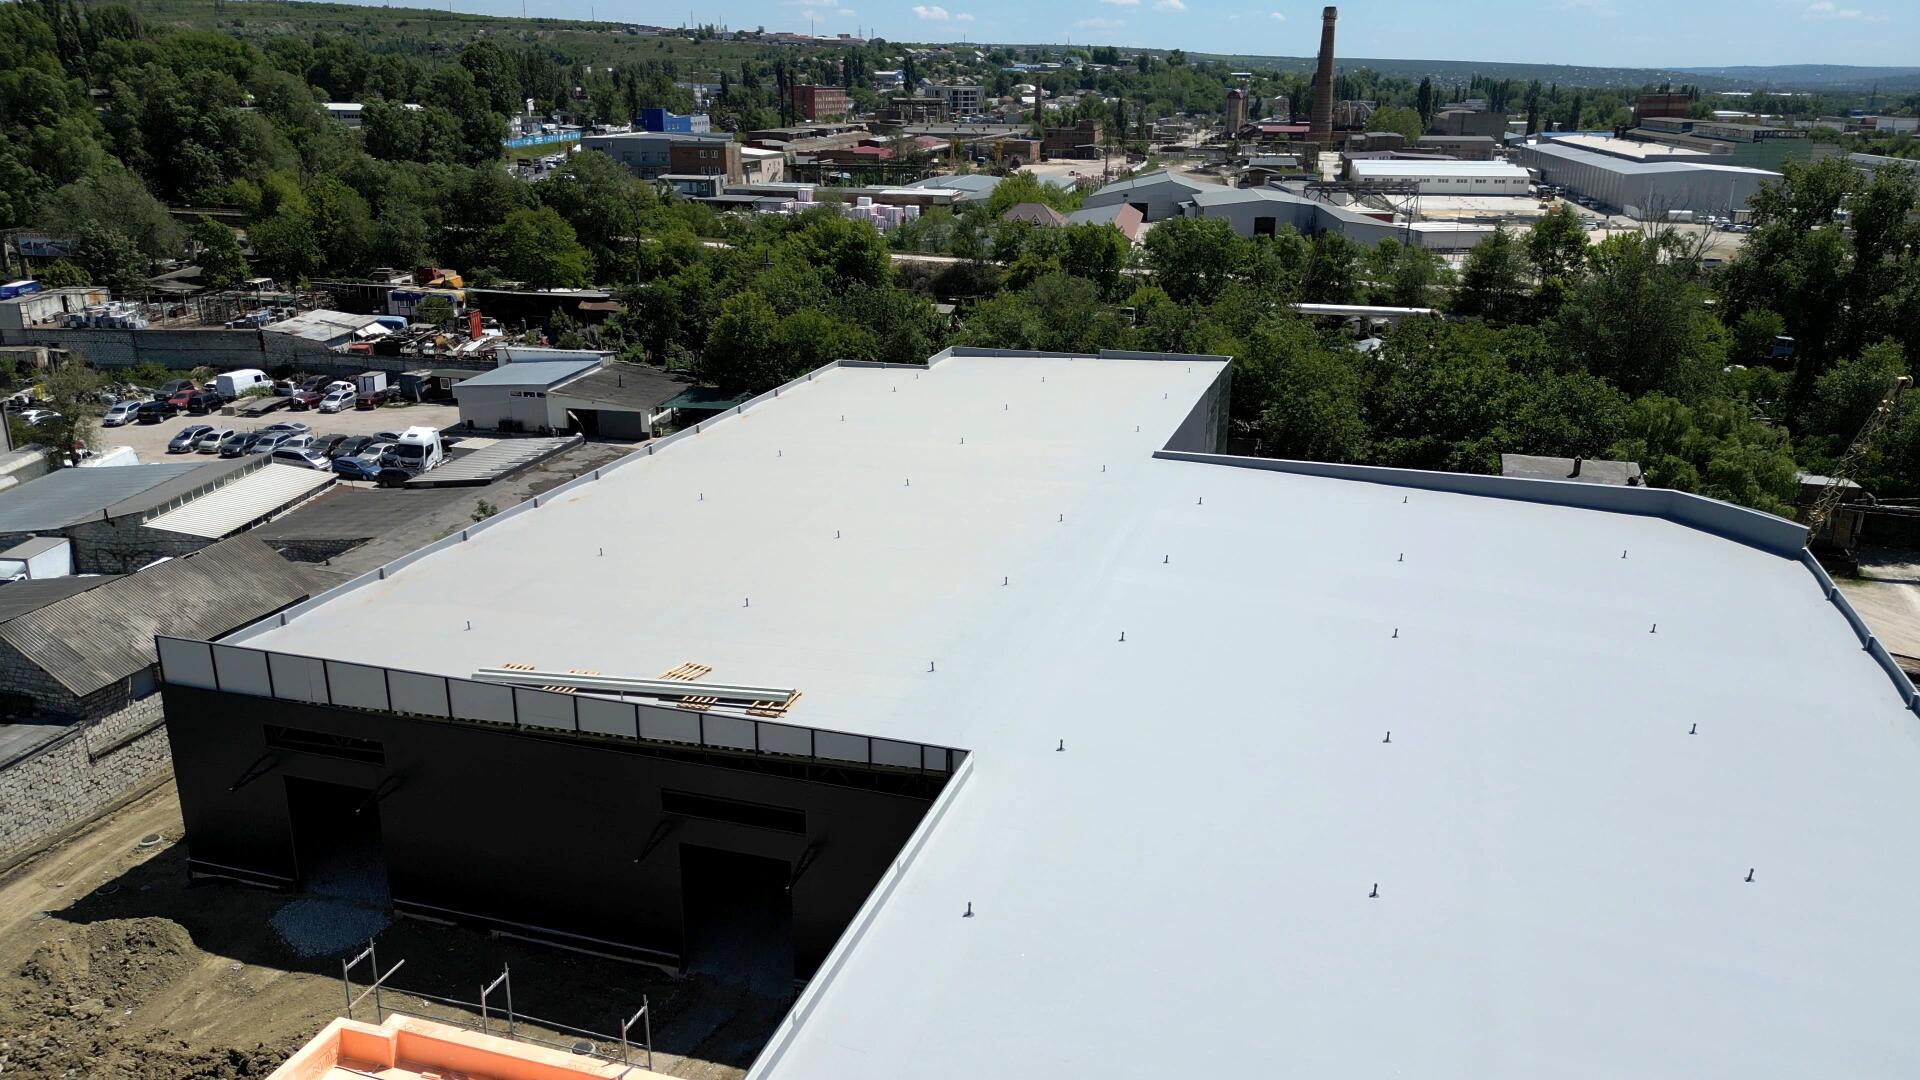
1576, 468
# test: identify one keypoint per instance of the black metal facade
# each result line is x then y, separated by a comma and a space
557, 836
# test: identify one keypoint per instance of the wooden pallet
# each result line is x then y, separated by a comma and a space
687, 672
773, 709
553, 689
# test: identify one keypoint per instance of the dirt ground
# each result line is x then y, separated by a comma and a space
114, 967
1887, 596
149, 441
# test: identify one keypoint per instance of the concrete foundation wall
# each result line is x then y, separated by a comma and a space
69, 781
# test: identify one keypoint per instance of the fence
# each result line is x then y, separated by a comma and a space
595, 1041
540, 140
257, 673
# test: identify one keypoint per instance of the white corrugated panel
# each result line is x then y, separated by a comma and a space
257, 495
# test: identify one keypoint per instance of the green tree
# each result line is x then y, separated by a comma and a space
1192, 258
740, 350
538, 247
69, 389
1332, 273
111, 259
434, 311
1493, 284
222, 265
1714, 449
1398, 119
1639, 321
1752, 336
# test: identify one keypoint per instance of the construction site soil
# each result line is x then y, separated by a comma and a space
114, 967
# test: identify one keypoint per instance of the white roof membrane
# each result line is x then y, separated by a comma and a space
1561, 864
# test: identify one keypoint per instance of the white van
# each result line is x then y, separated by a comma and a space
418, 450
235, 383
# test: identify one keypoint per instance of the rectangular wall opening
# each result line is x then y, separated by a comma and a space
739, 918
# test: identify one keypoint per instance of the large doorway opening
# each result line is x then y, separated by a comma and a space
739, 918
336, 842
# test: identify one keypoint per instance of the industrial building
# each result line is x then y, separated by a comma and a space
821, 102
962, 100
1037, 724
577, 393
1157, 195
1263, 211
1639, 188
1492, 178
117, 519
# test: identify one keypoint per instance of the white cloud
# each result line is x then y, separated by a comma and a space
931, 12
846, 13
1170, 5
1122, 3
1100, 24
1277, 16
1827, 10
963, 17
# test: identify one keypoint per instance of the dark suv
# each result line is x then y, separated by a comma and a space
152, 412
204, 402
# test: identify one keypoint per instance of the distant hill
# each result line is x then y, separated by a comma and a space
1780, 77
1818, 77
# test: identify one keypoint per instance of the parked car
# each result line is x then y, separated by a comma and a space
373, 400
120, 412
171, 387
305, 399
392, 477
36, 417
304, 456
386, 436
356, 468
291, 427
337, 400
268, 442
178, 399
351, 446
152, 412
187, 439
202, 403
326, 443
209, 443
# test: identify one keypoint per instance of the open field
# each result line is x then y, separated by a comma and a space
113, 967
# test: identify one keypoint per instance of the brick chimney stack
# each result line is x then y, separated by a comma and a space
1321, 129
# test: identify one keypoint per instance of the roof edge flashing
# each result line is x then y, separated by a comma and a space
1750, 528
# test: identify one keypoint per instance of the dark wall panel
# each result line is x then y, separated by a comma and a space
536, 831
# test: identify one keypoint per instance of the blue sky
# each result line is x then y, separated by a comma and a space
1624, 33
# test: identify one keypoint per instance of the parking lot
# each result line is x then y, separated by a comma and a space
149, 441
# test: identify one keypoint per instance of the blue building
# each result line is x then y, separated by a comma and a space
657, 119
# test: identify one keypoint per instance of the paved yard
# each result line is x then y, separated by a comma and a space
150, 440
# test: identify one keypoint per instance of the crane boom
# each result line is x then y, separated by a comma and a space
1863, 443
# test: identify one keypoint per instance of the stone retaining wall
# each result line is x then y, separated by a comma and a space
68, 782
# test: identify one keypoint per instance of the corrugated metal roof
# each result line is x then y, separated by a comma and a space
68, 496
243, 502
19, 597
105, 634
541, 373
323, 325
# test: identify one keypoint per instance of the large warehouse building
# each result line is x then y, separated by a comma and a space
1443, 177
1059, 745
1637, 188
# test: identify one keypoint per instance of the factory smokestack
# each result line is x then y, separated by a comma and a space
1321, 129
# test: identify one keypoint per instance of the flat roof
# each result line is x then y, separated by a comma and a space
541, 373
1632, 149
1573, 154
1370, 167
1561, 866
